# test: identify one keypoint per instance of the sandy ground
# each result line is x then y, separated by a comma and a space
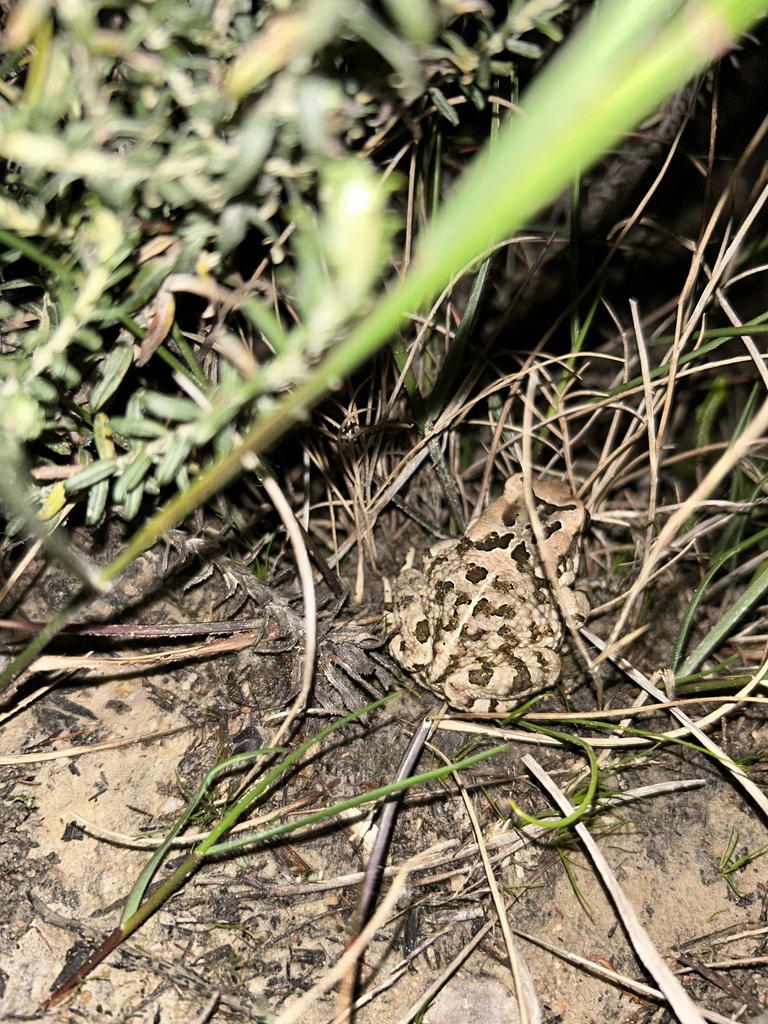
249, 935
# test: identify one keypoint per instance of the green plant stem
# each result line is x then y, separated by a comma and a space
581, 809
617, 68
589, 97
210, 847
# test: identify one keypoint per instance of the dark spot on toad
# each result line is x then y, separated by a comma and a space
511, 514
494, 541
421, 632
480, 676
475, 573
519, 554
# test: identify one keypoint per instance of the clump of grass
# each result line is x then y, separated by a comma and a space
173, 151
211, 224
149, 157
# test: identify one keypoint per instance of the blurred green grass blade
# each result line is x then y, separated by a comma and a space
616, 70
414, 18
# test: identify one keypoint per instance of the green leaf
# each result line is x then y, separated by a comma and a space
173, 460
133, 474
113, 370
169, 407
132, 503
89, 476
97, 503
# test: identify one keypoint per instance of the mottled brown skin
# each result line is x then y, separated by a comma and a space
478, 624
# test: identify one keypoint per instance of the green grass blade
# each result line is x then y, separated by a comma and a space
714, 638
147, 873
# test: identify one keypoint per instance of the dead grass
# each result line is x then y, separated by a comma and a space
657, 418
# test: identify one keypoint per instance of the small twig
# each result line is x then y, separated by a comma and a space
295, 535
525, 991
300, 1007
189, 838
138, 631
374, 870
678, 999
97, 748
68, 662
